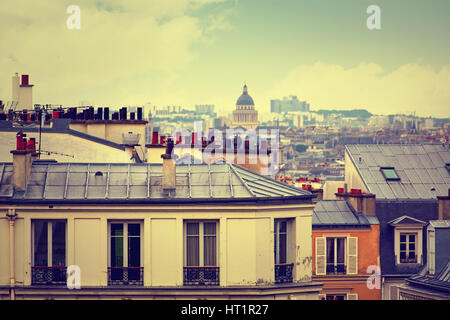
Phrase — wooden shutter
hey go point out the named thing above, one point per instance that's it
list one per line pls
(352, 296)
(352, 255)
(322, 297)
(321, 259)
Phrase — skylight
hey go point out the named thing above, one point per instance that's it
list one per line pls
(389, 173)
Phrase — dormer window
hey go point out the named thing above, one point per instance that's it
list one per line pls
(408, 239)
(389, 173)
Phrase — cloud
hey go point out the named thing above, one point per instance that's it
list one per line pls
(411, 87)
(117, 41)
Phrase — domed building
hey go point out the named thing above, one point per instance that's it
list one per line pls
(245, 114)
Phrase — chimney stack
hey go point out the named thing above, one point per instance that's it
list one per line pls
(23, 157)
(362, 202)
(169, 168)
(444, 207)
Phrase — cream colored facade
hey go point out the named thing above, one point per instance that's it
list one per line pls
(67, 147)
(245, 242)
(112, 130)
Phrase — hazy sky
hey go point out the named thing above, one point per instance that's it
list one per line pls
(181, 52)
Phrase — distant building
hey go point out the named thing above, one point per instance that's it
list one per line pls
(146, 231)
(345, 244)
(245, 115)
(288, 104)
(433, 282)
(204, 109)
(407, 181)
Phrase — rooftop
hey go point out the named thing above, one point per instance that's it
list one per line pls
(329, 213)
(142, 182)
(419, 171)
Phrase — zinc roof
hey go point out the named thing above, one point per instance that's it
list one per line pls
(422, 170)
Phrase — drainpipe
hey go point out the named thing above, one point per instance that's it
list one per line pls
(12, 215)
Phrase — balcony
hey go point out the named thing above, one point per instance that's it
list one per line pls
(125, 276)
(49, 275)
(283, 273)
(199, 276)
(338, 268)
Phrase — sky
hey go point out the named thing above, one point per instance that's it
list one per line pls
(188, 52)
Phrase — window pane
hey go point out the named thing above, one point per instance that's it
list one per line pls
(402, 238)
(412, 247)
(40, 244)
(210, 251)
(411, 255)
(283, 248)
(209, 228)
(192, 228)
(412, 238)
(58, 244)
(402, 246)
(192, 251)
(390, 173)
(117, 229)
(330, 250)
(116, 245)
(134, 229)
(341, 250)
(283, 226)
(134, 251)
(402, 255)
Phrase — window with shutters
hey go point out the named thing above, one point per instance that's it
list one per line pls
(336, 255)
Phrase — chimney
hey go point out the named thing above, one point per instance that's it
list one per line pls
(22, 160)
(444, 207)
(169, 168)
(362, 202)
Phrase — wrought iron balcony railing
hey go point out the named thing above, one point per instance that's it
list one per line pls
(338, 268)
(198, 276)
(283, 273)
(125, 276)
(49, 275)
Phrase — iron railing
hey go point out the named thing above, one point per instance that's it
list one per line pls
(338, 268)
(283, 273)
(125, 276)
(198, 276)
(49, 275)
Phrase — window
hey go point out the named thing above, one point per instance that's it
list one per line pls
(283, 269)
(125, 254)
(49, 252)
(389, 173)
(408, 246)
(336, 255)
(201, 253)
(335, 297)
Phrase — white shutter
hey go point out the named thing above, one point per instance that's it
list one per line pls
(352, 296)
(322, 297)
(352, 255)
(321, 260)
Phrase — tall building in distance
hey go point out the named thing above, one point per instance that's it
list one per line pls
(245, 115)
(204, 109)
(288, 104)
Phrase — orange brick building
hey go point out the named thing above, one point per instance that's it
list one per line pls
(345, 252)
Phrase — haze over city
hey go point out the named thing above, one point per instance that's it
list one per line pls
(203, 51)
